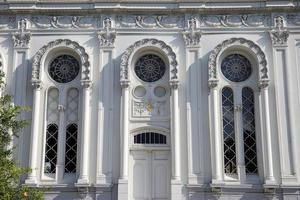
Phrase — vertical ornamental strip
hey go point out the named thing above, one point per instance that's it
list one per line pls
(106, 39)
(284, 80)
(191, 38)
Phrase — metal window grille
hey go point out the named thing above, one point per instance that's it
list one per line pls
(150, 138)
(71, 148)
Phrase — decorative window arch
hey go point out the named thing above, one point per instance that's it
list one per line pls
(149, 43)
(40, 57)
(250, 47)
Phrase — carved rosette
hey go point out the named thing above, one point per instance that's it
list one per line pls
(21, 38)
(108, 35)
(162, 46)
(191, 36)
(279, 35)
(37, 65)
(239, 42)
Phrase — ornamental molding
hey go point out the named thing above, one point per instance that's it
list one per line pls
(236, 43)
(21, 38)
(191, 36)
(108, 35)
(42, 53)
(279, 35)
(158, 44)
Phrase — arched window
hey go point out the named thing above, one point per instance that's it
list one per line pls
(238, 115)
(62, 115)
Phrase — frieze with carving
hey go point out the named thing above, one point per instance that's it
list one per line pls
(149, 21)
(66, 22)
(149, 108)
(21, 38)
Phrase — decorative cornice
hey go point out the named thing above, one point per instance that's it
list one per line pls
(21, 38)
(108, 35)
(279, 35)
(238, 42)
(192, 36)
(37, 65)
(162, 46)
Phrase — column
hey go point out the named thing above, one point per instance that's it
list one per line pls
(36, 110)
(240, 141)
(215, 132)
(83, 179)
(124, 134)
(264, 89)
(60, 164)
(191, 38)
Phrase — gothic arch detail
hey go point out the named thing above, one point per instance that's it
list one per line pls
(169, 53)
(239, 42)
(40, 56)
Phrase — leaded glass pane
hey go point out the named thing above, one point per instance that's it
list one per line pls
(64, 68)
(72, 105)
(52, 105)
(150, 138)
(71, 148)
(236, 68)
(228, 131)
(150, 68)
(249, 131)
(51, 148)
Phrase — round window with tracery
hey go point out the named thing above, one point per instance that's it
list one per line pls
(236, 68)
(64, 69)
(150, 68)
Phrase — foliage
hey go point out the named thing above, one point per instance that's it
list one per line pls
(10, 172)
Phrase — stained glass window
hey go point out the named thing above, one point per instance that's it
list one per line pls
(150, 68)
(228, 131)
(64, 69)
(236, 68)
(249, 130)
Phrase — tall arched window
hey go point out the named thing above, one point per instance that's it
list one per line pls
(62, 116)
(238, 113)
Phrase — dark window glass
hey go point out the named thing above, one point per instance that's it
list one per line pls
(71, 148)
(51, 148)
(150, 138)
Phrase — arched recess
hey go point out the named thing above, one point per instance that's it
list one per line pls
(160, 46)
(238, 43)
(41, 55)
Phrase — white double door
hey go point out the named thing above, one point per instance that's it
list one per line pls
(150, 175)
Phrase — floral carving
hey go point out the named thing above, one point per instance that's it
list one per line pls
(21, 38)
(279, 35)
(108, 35)
(37, 65)
(191, 36)
(148, 43)
(256, 50)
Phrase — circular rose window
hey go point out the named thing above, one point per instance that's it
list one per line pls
(64, 69)
(236, 68)
(150, 68)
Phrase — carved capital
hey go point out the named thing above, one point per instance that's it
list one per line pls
(86, 83)
(61, 108)
(263, 84)
(36, 84)
(213, 83)
(108, 35)
(191, 36)
(174, 84)
(279, 35)
(21, 38)
(124, 84)
(238, 108)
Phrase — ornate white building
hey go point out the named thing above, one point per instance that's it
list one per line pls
(132, 100)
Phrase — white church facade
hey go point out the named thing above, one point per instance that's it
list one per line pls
(156, 100)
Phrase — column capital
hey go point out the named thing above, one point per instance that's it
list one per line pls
(21, 38)
(37, 84)
(279, 35)
(238, 108)
(124, 84)
(61, 108)
(107, 36)
(263, 84)
(213, 83)
(174, 84)
(191, 35)
(86, 83)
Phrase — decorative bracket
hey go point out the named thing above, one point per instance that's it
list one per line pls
(191, 35)
(108, 35)
(21, 38)
(279, 35)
